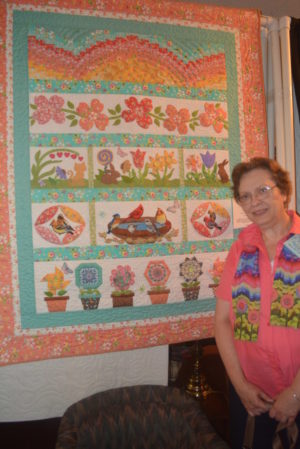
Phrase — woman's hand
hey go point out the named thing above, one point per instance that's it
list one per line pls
(254, 399)
(285, 407)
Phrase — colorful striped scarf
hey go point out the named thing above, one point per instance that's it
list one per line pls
(246, 293)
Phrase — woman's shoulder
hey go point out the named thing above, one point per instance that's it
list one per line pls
(249, 235)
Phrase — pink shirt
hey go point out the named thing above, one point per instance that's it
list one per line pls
(273, 360)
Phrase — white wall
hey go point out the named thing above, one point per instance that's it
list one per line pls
(45, 389)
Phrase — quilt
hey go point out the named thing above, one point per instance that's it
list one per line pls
(120, 125)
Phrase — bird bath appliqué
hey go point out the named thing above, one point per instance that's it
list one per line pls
(137, 228)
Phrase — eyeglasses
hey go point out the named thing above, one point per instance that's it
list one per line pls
(261, 193)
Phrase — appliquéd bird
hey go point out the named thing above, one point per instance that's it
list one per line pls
(150, 226)
(61, 226)
(113, 223)
(137, 213)
(210, 220)
(131, 228)
(160, 217)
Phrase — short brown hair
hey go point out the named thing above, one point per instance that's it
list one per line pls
(280, 176)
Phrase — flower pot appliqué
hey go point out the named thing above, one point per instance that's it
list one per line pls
(57, 304)
(90, 303)
(123, 300)
(159, 297)
(191, 293)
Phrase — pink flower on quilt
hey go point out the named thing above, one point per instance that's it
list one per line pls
(138, 158)
(138, 111)
(215, 116)
(48, 109)
(177, 119)
(91, 115)
(287, 301)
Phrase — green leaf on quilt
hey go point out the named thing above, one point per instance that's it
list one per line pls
(33, 170)
(215, 169)
(47, 173)
(61, 292)
(52, 182)
(127, 179)
(44, 164)
(167, 177)
(37, 156)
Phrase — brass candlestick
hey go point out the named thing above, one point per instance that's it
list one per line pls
(197, 385)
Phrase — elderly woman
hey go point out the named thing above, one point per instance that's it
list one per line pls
(257, 321)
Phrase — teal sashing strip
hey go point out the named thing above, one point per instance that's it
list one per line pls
(121, 194)
(130, 251)
(107, 87)
(67, 26)
(127, 140)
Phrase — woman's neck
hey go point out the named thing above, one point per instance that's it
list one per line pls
(272, 235)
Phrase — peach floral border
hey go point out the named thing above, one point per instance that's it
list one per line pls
(16, 349)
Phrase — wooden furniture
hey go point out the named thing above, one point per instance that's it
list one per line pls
(197, 368)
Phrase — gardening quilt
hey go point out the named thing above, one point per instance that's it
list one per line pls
(120, 125)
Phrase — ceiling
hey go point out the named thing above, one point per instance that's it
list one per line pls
(273, 8)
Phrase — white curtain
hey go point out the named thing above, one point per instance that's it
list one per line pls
(275, 35)
(297, 150)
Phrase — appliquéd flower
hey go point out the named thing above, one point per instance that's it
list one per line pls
(214, 116)
(138, 157)
(177, 119)
(47, 109)
(138, 111)
(92, 115)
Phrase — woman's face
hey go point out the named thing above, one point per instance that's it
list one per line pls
(260, 198)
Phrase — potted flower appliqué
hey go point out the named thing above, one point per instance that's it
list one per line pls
(56, 296)
(121, 279)
(88, 278)
(190, 269)
(216, 273)
(157, 274)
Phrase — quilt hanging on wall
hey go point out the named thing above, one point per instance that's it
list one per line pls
(120, 125)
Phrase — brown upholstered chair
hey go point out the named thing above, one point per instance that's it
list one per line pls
(139, 417)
